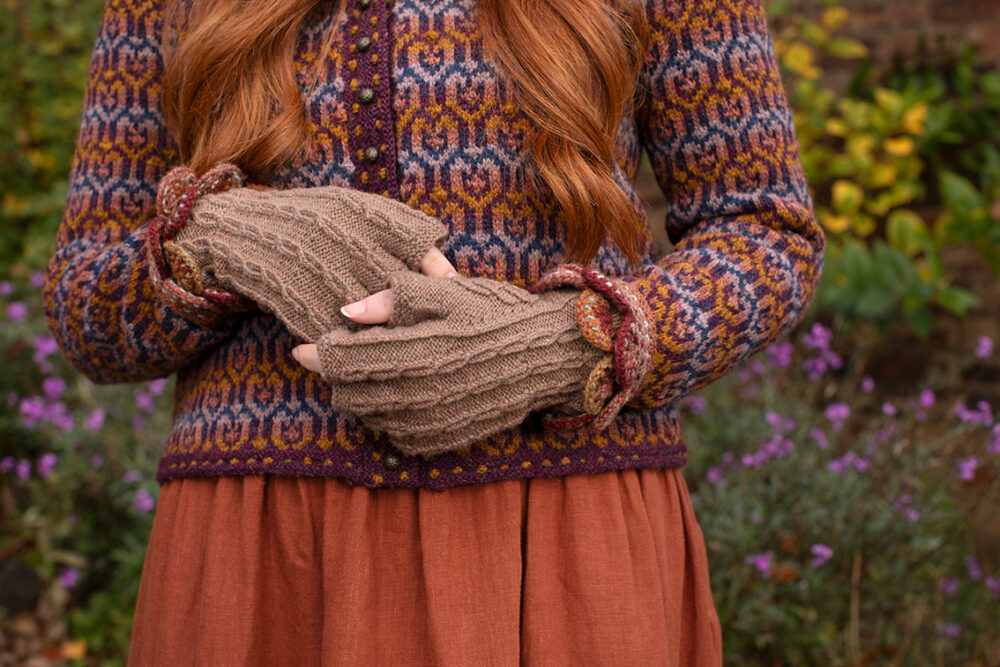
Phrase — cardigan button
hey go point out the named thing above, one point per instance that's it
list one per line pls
(365, 4)
(366, 95)
(371, 154)
(364, 43)
(391, 461)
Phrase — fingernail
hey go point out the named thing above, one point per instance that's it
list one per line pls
(354, 309)
(295, 353)
(450, 274)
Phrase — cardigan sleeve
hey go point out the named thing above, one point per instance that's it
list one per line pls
(748, 251)
(107, 305)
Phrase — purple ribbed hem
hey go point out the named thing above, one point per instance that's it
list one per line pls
(373, 463)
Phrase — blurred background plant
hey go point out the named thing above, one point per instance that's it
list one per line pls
(845, 501)
(921, 140)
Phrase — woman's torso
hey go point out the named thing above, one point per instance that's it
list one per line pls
(405, 105)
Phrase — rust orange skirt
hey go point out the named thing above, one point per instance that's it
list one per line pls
(605, 569)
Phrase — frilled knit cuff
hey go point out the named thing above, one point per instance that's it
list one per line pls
(173, 273)
(613, 317)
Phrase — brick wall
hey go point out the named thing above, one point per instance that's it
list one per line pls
(890, 26)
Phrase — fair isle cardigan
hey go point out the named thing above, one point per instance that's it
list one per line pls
(407, 106)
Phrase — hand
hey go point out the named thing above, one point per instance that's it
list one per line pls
(299, 254)
(377, 308)
(459, 359)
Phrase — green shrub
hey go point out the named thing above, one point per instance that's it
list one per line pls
(837, 527)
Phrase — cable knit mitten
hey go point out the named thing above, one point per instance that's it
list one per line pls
(464, 358)
(299, 254)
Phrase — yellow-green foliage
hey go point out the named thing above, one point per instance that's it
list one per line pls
(863, 156)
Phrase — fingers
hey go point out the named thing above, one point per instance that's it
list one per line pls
(411, 298)
(435, 264)
(374, 309)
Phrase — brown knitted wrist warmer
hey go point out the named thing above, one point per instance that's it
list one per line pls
(176, 194)
(302, 253)
(630, 345)
(460, 359)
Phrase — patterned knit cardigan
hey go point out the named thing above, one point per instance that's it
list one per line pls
(442, 134)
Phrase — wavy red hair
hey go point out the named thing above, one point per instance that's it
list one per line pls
(574, 79)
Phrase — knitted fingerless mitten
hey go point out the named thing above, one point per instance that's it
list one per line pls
(302, 253)
(464, 358)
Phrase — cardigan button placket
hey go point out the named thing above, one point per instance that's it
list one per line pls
(370, 125)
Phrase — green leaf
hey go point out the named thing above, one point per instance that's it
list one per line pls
(847, 197)
(907, 231)
(844, 47)
(958, 193)
(956, 299)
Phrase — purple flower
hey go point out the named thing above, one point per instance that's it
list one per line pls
(975, 570)
(779, 355)
(818, 337)
(837, 465)
(814, 368)
(144, 401)
(994, 447)
(156, 387)
(696, 404)
(53, 386)
(819, 436)
(867, 384)
(715, 476)
(32, 410)
(95, 420)
(762, 562)
(950, 630)
(44, 346)
(982, 414)
(821, 554)
(142, 501)
(7, 464)
(36, 279)
(888, 408)
(926, 398)
(984, 347)
(16, 312)
(993, 586)
(68, 577)
(911, 514)
(837, 413)
(23, 469)
(132, 476)
(967, 468)
(756, 518)
(46, 463)
(778, 423)
(862, 464)
(57, 415)
(949, 586)
(96, 461)
(6, 288)
(138, 422)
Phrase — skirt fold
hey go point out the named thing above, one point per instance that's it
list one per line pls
(604, 569)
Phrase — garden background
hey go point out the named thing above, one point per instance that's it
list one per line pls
(849, 498)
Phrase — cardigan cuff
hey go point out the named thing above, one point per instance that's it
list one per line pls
(615, 318)
(174, 275)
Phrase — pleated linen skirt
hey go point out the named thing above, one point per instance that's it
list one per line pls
(604, 569)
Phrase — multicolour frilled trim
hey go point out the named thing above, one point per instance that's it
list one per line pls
(632, 342)
(172, 272)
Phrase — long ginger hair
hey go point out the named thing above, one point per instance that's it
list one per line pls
(230, 94)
